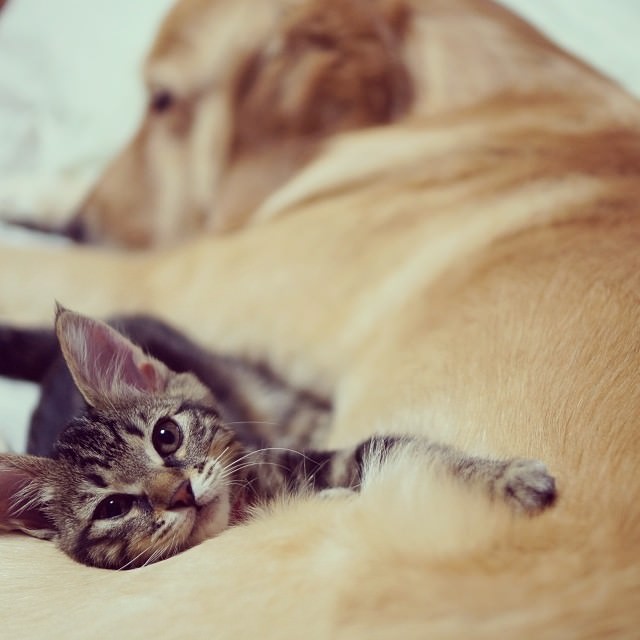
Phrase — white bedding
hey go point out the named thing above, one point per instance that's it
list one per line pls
(70, 96)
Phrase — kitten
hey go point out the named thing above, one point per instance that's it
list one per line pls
(152, 469)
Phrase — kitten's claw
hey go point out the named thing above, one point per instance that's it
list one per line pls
(527, 485)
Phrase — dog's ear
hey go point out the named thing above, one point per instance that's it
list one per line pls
(332, 65)
(396, 15)
(25, 490)
(105, 365)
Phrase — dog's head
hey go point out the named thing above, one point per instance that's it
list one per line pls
(241, 94)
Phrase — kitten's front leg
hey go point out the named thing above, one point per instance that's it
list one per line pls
(524, 484)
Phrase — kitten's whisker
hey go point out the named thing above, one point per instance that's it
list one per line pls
(236, 483)
(152, 557)
(239, 483)
(264, 449)
(161, 552)
(157, 551)
(173, 546)
(235, 466)
(219, 456)
(250, 453)
(124, 566)
(228, 424)
(164, 552)
(234, 469)
(299, 453)
(254, 464)
(159, 535)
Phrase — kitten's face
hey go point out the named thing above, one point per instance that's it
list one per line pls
(142, 482)
(150, 472)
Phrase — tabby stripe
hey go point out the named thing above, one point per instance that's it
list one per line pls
(97, 480)
(378, 447)
(114, 429)
(86, 461)
(67, 451)
(133, 430)
(192, 407)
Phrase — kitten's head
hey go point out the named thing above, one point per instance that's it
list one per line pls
(146, 474)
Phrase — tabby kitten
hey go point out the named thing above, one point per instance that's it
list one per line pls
(152, 469)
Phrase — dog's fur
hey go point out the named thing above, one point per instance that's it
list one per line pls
(466, 269)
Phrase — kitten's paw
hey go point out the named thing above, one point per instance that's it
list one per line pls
(527, 485)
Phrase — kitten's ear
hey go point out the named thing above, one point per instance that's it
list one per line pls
(106, 366)
(24, 493)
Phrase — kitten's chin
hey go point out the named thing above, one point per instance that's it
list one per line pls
(211, 519)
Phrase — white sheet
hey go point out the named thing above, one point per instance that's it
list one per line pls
(70, 96)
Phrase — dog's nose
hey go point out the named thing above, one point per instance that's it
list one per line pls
(183, 496)
(76, 229)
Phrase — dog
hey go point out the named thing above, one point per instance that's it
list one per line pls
(460, 263)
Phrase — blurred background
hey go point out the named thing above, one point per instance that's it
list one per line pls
(70, 96)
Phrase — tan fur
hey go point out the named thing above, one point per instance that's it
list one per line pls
(469, 271)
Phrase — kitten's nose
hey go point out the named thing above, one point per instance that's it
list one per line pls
(183, 496)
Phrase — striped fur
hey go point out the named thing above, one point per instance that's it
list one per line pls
(112, 496)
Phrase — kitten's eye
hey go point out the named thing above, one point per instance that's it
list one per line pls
(161, 101)
(167, 437)
(114, 506)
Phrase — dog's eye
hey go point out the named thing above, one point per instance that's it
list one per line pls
(113, 506)
(322, 40)
(161, 101)
(166, 437)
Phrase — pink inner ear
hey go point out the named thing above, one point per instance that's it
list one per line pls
(105, 365)
(154, 382)
(11, 482)
(115, 362)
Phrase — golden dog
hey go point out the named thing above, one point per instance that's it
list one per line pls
(462, 262)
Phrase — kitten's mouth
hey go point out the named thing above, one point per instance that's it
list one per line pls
(211, 518)
(201, 507)
(210, 505)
